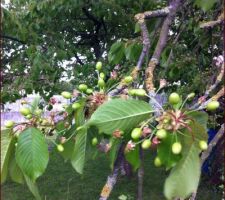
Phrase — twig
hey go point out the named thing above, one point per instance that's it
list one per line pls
(211, 24)
(214, 98)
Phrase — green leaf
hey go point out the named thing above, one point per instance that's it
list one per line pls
(184, 177)
(32, 153)
(35, 103)
(115, 143)
(33, 187)
(133, 158)
(137, 28)
(198, 132)
(205, 5)
(200, 117)
(7, 149)
(79, 152)
(164, 152)
(116, 53)
(78, 156)
(120, 114)
(133, 51)
(15, 172)
(69, 145)
(68, 149)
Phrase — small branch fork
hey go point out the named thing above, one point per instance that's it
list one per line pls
(172, 9)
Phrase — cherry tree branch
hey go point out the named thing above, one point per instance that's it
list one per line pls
(140, 18)
(112, 178)
(211, 24)
(219, 94)
(175, 4)
(218, 80)
(157, 13)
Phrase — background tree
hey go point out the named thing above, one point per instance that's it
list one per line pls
(38, 37)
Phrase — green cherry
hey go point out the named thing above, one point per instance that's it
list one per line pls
(75, 106)
(94, 141)
(9, 124)
(28, 116)
(191, 95)
(128, 79)
(174, 98)
(132, 92)
(101, 83)
(203, 145)
(60, 148)
(157, 162)
(82, 87)
(66, 95)
(98, 66)
(102, 75)
(146, 144)
(140, 92)
(161, 133)
(89, 91)
(213, 105)
(136, 133)
(25, 111)
(176, 148)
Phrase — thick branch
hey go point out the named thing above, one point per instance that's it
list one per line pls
(175, 4)
(157, 13)
(146, 44)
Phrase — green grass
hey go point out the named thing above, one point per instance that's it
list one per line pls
(61, 182)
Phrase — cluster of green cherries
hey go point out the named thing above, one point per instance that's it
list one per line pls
(27, 113)
(161, 134)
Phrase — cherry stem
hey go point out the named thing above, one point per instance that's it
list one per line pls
(149, 136)
(183, 103)
(188, 112)
(113, 87)
(142, 126)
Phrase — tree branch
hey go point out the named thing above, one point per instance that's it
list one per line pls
(218, 80)
(112, 178)
(175, 4)
(211, 24)
(157, 13)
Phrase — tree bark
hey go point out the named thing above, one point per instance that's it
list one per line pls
(175, 4)
(112, 178)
